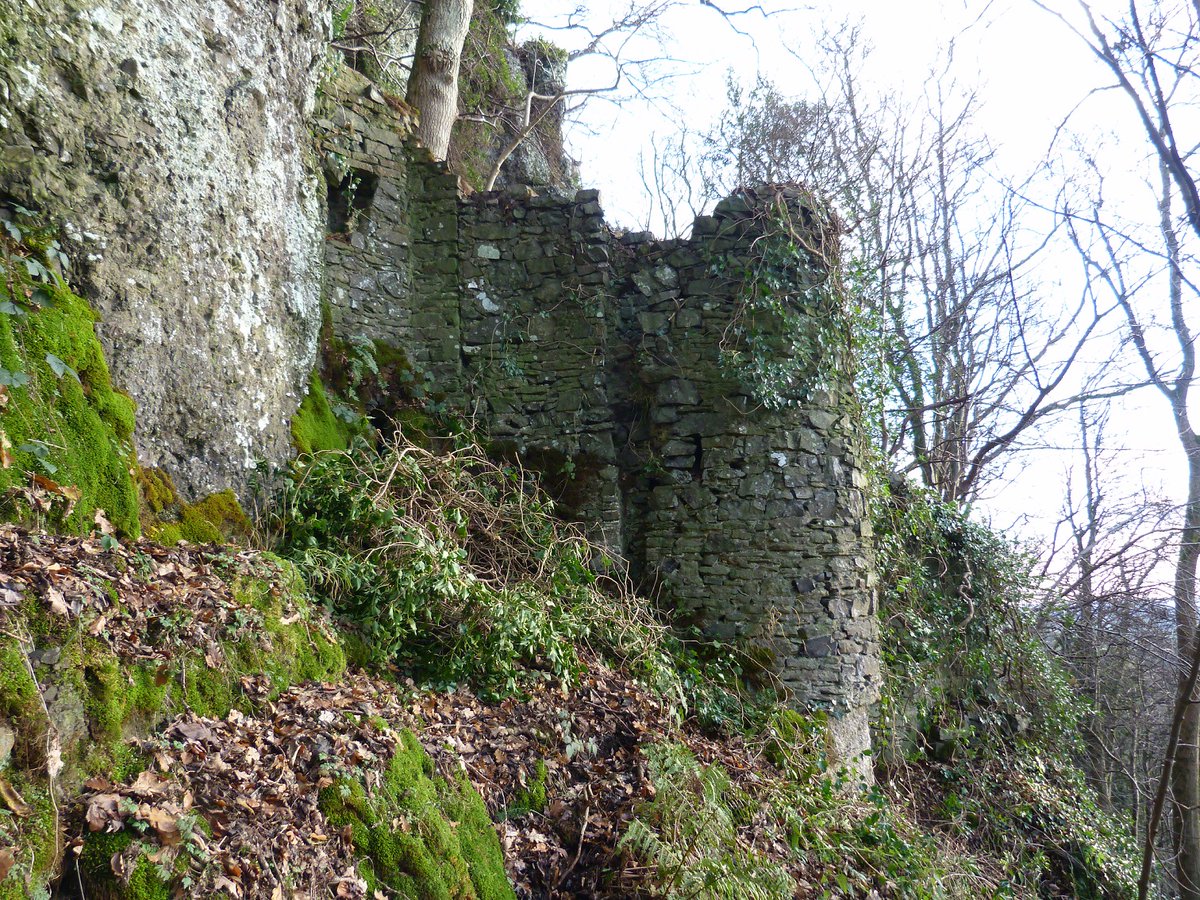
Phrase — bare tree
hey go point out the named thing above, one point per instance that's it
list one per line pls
(935, 253)
(1152, 54)
(1105, 614)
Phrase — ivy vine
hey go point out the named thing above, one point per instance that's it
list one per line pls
(790, 336)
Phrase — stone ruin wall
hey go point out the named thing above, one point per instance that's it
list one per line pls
(597, 358)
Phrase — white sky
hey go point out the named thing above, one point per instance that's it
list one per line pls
(1029, 73)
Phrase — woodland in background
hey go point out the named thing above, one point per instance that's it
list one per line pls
(968, 361)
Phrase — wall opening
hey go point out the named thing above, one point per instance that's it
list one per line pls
(350, 200)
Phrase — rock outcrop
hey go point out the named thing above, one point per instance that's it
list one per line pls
(169, 141)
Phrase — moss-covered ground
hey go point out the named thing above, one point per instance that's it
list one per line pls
(260, 623)
(421, 836)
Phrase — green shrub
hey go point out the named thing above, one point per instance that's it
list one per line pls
(689, 834)
(455, 568)
(974, 698)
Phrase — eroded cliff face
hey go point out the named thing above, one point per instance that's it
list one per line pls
(169, 141)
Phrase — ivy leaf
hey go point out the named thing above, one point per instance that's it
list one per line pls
(13, 230)
(36, 269)
(59, 367)
(8, 308)
(13, 378)
(40, 298)
(41, 453)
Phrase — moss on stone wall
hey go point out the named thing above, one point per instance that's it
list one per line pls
(60, 415)
(316, 427)
(421, 835)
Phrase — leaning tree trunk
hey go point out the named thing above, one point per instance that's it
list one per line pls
(1185, 776)
(433, 85)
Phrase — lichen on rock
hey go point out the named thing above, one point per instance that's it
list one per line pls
(168, 141)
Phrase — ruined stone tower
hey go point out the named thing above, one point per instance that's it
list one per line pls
(680, 401)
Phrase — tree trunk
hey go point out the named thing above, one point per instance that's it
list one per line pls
(433, 85)
(1185, 777)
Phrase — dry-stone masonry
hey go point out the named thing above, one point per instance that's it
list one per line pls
(603, 360)
(171, 142)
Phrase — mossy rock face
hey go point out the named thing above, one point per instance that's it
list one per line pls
(217, 518)
(61, 418)
(315, 426)
(421, 835)
(194, 275)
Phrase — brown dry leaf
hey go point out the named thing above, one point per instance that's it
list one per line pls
(165, 825)
(58, 603)
(98, 783)
(8, 859)
(13, 800)
(69, 491)
(101, 520)
(193, 731)
(6, 457)
(102, 812)
(148, 784)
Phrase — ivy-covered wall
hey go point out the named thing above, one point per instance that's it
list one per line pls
(688, 400)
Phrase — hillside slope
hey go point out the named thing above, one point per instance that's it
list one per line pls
(204, 734)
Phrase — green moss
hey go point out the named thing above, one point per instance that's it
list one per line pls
(532, 797)
(74, 428)
(156, 489)
(18, 692)
(480, 847)
(299, 650)
(117, 692)
(315, 427)
(34, 839)
(421, 836)
(216, 519)
(95, 869)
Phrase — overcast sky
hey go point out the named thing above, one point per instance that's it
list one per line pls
(1030, 74)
